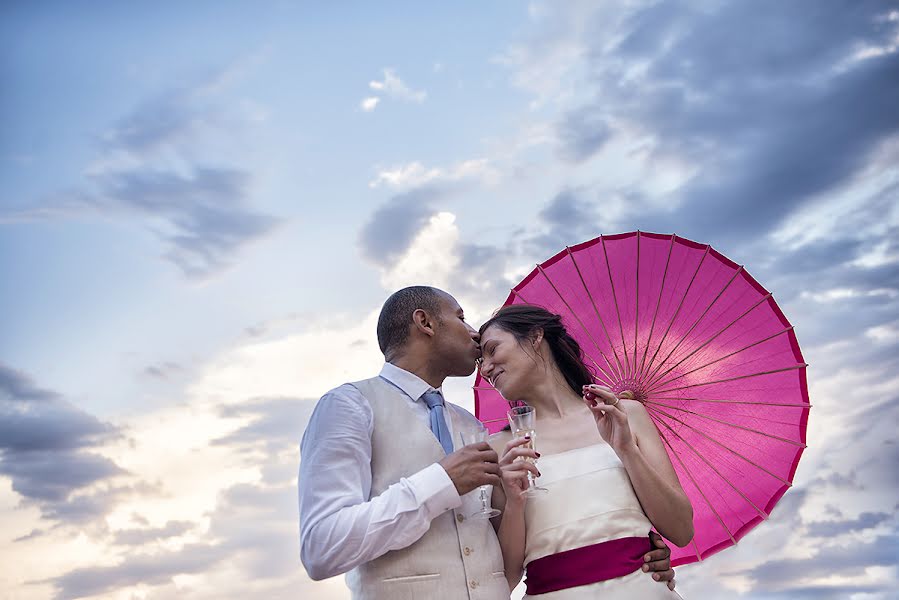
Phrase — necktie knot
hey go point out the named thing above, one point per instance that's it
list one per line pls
(432, 398)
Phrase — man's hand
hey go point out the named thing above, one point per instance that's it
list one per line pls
(472, 466)
(659, 561)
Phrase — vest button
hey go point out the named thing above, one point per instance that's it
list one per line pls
(467, 551)
(460, 518)
(472, 584)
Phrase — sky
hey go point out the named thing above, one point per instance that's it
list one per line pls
(204, 206)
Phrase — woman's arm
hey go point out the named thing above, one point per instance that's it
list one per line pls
(626, 426)
(512, 530)
(653, 477)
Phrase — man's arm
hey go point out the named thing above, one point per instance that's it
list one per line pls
(340, 527)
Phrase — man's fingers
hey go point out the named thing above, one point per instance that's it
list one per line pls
(660, 566)
(660, 554)
(488, 456)
(664, 575)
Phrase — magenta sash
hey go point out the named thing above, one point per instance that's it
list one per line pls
(589, 564)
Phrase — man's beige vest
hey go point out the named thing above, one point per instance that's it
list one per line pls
(457, 558)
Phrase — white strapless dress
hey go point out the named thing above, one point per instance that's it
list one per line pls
(589, 500)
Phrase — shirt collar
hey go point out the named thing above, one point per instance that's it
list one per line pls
(412, 385)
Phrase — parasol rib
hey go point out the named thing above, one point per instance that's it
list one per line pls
(679, 306)
(729, 401)
(598, 316)
(695, 484)
(605, 252)
(637, 304)
(608, 377)
(734, 353)
(748, 376)
(658, 303)
(728, 448)
(578, 319)
(761, 513)
(735, 426)
(652, 376)
(711, 339)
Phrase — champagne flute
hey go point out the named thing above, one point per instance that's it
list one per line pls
(474, 435)
(521, 419)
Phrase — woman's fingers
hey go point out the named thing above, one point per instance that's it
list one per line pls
(521, 467)
(516, 442)
(601, 393)
(600, 410)
(516, 448)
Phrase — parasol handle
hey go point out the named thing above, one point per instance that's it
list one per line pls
(626, 395)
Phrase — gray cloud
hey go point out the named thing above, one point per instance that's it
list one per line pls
(148, 569)
(45, 442)
(201, 210)
(164, 370)
(866, 520)
(393, 226)
(203, 214)
(762, 98)
(844, 560)
(140, 537)
(271, 420)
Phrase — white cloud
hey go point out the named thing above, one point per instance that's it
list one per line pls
(391, 85)
(415, 174)
(369, 104)
(431, 257)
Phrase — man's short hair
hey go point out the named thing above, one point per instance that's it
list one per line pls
(396, 314)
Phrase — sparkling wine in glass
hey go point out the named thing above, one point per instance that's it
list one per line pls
(522, 418)
(474, 435)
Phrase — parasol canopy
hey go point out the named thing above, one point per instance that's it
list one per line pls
(705, 348)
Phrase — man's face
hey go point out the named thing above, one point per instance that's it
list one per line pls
(456, 341)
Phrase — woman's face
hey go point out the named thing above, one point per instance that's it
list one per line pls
(507, 364)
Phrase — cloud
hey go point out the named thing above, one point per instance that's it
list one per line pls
(46, 443)
(393, 226)
(144, 536)
(164, 370)
(772, 121)
(164, 166)
(394, 87)
(369, 104)
(137, 569)
(414, 174)
(866, 520)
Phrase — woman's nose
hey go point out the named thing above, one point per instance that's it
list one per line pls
(486, 367)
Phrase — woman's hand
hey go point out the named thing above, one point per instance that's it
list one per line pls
(515, 472)
(611, 420)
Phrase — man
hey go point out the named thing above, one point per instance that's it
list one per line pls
(383, 491)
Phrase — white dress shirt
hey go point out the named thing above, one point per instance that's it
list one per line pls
(340, 527)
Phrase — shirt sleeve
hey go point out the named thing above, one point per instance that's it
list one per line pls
(340, 527)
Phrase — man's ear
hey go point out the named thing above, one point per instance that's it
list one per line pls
(423, 322)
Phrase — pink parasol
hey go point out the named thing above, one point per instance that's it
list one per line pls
(705, 348)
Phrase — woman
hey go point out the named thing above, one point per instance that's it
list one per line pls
(607, 475)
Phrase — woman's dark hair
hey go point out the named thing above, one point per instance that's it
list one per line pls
(523, 321)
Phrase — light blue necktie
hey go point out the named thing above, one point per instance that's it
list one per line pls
(438, 419)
